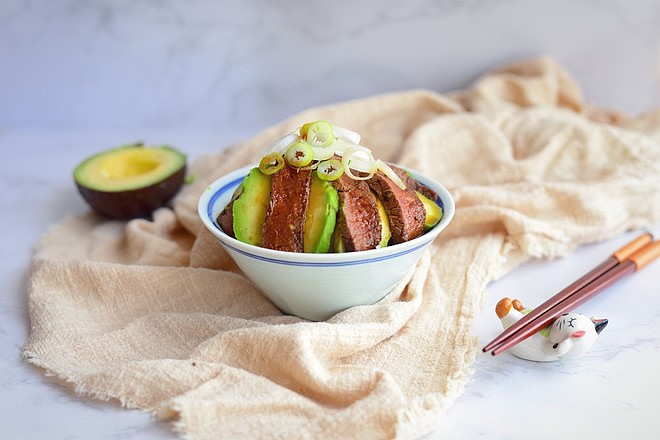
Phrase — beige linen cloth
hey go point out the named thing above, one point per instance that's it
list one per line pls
(154, 313)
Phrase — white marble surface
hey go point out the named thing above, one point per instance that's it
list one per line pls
(77, 76)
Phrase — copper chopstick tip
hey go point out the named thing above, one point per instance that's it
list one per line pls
(646, 254)
(630, 248)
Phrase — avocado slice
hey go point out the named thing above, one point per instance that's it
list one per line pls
(386, 232)
(433, 211)
(130, 181)
(321, 216)
(249, 209)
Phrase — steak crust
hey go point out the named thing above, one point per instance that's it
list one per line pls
(285, 218)
(358, 221)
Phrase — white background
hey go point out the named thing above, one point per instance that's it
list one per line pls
(80, 76)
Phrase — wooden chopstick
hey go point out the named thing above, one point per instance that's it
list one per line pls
(536, 319)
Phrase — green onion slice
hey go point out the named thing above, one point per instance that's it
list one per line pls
(318, 134)
(299, 154)
(271, 163)
(330, 169)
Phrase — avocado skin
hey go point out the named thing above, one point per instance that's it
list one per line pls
(141, 202)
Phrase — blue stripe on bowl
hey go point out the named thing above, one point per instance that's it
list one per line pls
(326, 264)
(217, 195)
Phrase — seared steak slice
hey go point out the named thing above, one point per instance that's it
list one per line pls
(412, 183)
(283, 228)
(404, 209)
(358, 221)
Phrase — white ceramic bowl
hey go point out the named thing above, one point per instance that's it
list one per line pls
(317, 286)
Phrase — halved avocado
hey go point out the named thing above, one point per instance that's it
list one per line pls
(130, 181)
(321, 216)
(433, 211)
(249, 209)
(386, 232)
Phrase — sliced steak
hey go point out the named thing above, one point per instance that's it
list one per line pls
(412, 183)
(404, 209)
(358, 221)
(283, 228)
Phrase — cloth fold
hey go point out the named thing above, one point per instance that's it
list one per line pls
(155, 314)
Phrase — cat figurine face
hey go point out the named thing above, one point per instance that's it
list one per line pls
(572, 334)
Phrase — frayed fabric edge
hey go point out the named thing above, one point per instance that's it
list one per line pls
(81, 388)
(424, 412)
(168, 411)
(171, 411)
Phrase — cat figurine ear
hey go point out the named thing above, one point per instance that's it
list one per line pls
(570, 335)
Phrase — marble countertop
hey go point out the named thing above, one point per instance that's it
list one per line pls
(77, 77)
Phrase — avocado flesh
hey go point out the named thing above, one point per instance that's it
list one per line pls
(129, 167)
(130, 181)
(321, 216)
(338, 245)
(249, 209)
(386, 233)
(433, 211)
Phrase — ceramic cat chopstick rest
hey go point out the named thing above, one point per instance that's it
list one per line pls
(570, 335)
